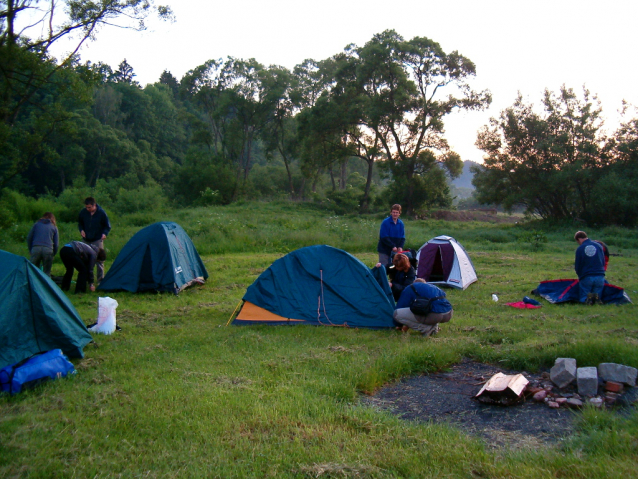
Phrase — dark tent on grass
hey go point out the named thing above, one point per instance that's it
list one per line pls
(565, 290)
(319, 285)
(443, 261)
(160, 257)
(35, 315)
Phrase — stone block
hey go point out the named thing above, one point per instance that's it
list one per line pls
(619, 373)
(563, 372)
(587, 380)
(632, 373)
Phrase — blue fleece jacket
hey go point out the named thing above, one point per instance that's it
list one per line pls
(391, 235)
(425, 291)
(43, 233)
(590, 259)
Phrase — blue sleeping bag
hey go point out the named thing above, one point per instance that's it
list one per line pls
(34, 370)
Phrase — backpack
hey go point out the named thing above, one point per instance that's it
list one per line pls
(34, 370)
(421, 306)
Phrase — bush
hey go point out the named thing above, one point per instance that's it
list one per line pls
(150, 197)
(15, 207)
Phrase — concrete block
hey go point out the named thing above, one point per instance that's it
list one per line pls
(632, 373)
(612, 372)
(563, 372)
(587, 380)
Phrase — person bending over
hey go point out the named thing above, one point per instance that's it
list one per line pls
(391, 236)
(404, 275)
(590, 268)
(43, 242)
(81, 257)
(441, 311)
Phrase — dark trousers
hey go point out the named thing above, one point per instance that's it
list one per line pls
(72, 261)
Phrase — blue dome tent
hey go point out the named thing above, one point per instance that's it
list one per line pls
(160, 257)
(319, 285)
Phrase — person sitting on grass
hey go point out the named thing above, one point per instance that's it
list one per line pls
(441, 311)
(404, 275)
(80, 256)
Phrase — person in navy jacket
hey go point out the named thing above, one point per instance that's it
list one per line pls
(391, 236)
(590, 268)
(94, 227)
(427, 325)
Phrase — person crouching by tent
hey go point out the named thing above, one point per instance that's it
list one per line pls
(391, 236)
(441, 309)
(590, 268)
(404, 275)
(42, 241)
(80, 256)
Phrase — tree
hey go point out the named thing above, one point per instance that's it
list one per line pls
(27, 68)
(391, 93)
(546, 162)
(124, 74)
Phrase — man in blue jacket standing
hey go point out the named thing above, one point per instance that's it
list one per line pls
(391, 236)
(94, 227)
(590, 268)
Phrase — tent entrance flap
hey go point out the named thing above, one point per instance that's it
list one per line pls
(437, 267)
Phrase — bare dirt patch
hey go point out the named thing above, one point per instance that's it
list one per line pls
(446, 397)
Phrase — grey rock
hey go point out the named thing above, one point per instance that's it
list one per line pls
(618, 373)
(563, 372)
(632, 373)
(574, 403)
(587, 380)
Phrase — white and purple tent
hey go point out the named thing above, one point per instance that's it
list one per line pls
(443, 260)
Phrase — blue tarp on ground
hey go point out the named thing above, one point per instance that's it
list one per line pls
(565, 290)
(160, 257)
(35, 315)
(322, 285)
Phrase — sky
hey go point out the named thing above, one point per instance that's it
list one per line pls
(516, 46)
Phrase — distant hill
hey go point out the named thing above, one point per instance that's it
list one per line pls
(465, 180)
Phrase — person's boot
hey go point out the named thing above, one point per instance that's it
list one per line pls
(591, 299)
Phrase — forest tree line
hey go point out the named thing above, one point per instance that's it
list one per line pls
(364, 127)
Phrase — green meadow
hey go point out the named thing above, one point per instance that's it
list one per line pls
(179, 393)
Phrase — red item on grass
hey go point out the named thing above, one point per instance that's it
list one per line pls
(522, 305)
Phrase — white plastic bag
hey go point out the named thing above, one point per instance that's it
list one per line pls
(105, 316)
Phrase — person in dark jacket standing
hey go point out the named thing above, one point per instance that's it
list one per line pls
(590, 268)
(81, 257)
(42, 241)
(391, 236)
(427, 325)
(94, 227)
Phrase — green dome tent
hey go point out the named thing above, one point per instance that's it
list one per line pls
(160, 257)
(319, 285)
(36, 316)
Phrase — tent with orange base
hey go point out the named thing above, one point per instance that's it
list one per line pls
(319, 285)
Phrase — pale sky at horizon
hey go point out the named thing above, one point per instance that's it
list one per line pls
(516, 47)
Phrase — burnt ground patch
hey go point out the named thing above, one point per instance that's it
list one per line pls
(446, 397)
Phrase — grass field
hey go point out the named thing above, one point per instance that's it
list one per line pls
(177, 393)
